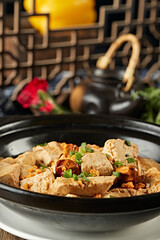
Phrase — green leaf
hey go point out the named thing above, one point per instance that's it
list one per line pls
(130, 160)
(157, 119)
(151, 97)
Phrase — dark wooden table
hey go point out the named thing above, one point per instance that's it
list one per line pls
(7, 236)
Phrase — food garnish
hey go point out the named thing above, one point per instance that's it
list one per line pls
(130, 160)
(78, 157)
(117, 174)
(128, 143)
(118, 164)
(41, 144)
(45, 170)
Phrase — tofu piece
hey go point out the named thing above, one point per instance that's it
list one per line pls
(145, 164)
(117, 192)
(95, 185)
(123, 192)
(98, 161)
(152, 177)
(118, 150)
(41, 183)
(10, 174)
(27, 158)
(7, 161)
(25, 170)
(50, 152)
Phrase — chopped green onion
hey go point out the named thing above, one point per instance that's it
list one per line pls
(44, 168)
(117, 174)
(78, 161)
(81, 175)
(91, 174)
(75, 177)
(118, 164)
(89, 150)
(78, 157)
(83, 147)
(42, 165)
(86, 179)
(130, 160)
(41, 144)
(128, 143)
(68, 173)
(83, 144)
(127, 155)
(107, 155)
(72, 153)
(86, 174)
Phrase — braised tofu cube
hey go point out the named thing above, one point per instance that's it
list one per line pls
(121, 150)
(94, 148)
(97, 161)
(152, 178)
(9, 174)
(27, 158)
(94, 185)
(123, 192)
(145, 164)
(26, 171)
(48, 153)
(42, 182)
(7, 161)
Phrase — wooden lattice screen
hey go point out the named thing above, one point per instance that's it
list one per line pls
(24, 53)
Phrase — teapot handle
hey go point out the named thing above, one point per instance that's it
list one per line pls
(105, 60)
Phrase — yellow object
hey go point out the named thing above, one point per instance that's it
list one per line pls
(62, 13)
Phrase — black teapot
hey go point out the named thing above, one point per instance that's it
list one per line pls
(102, 92)
(110, 91)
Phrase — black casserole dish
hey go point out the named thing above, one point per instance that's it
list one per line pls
(80, 214)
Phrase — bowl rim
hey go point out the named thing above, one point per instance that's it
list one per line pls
(27, 199)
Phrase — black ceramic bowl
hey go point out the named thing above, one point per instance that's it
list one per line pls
(80, 214)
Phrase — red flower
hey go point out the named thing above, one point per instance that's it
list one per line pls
(29, 96)
(47, 108)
